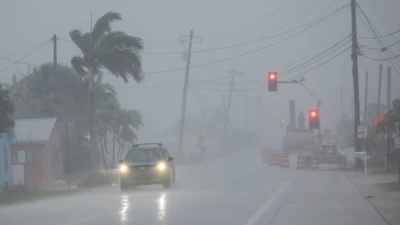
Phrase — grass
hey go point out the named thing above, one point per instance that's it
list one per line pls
(30, 196)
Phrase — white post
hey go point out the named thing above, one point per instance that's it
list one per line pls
(365, 162)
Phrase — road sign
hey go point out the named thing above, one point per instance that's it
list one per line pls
(396, 143)
(398, 129)
(362, 132)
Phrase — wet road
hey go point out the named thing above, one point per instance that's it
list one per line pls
(235, 190)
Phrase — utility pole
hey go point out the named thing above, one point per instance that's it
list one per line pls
(246, 112)
(366, 98)
(55, 54)
(378, 106)
(55, 64)
(388, 91)
(233, 72)
(185, 87)
(354, 56)
(67, 151)
(389, 87)
(341, 101)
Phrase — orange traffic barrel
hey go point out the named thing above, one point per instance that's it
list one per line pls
(314, 162)
(285, 160)
(277, 159)
(300, 161)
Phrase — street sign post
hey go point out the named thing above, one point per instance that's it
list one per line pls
(397, 129)
(362, 132)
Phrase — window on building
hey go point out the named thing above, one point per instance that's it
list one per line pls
(29, 157)
(5, 166)
(14, 158)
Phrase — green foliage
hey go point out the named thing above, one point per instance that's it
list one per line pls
(113, 50)
(65, 96)
(6, 110)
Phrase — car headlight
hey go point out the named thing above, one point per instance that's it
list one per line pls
(123, 168)
(161, 166)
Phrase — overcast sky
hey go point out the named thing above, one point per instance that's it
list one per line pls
(220, 23)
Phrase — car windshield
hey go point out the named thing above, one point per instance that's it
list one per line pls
(145, 155)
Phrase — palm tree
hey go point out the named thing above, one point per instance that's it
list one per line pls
(6, 109)
(102, 48)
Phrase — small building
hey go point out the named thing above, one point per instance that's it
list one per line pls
(37, 153)
(5, 158)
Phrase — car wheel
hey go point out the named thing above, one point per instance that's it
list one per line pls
(173, 174)
(124, 186)
(167, 183)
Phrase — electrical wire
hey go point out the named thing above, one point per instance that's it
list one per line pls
(380, 41)
(252, 82)
(381, 49)
(382, 36)
(255, 50)
(319, 19)
(301, 15)
(371, 29)
(318, 56)
(17, 61)
(386, 59)
(302, 65)
(21, 62)
(266, 17)
(22, 50)
(330, 59)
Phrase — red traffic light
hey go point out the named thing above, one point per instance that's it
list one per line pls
(313, 113)
(271, 76)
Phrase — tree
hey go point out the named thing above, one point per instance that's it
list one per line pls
(6, 109)
(102, 48)
(391, 118)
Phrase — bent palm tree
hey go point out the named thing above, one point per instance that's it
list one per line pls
(112, 50)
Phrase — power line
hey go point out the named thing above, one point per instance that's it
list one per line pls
(373, 32)
(301, 15)
(284, 73)
(302, 65)
(17, 61)
(330, 59)
(379, 37)
(22, 50)
(319, 19)
(382, 49)
(253, 51)
(380, 41)
(386, 59)
(267, 16)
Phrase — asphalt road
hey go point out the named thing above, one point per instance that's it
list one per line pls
(235, 190)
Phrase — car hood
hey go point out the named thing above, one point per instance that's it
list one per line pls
(142, 164)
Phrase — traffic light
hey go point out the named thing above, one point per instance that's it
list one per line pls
(313, 118)
(272, 81)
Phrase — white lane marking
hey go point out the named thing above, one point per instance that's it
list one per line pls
(257, 216)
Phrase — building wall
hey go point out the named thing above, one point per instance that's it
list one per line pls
(32, 156)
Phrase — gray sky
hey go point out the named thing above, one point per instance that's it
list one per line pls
(221, 23)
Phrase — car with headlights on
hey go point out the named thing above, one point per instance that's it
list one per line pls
(147, 164)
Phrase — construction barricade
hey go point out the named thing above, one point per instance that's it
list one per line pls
(300, 162)
(285, 160)
(314, 162)
(276, 161)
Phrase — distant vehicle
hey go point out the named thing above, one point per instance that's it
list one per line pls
(147, 164)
